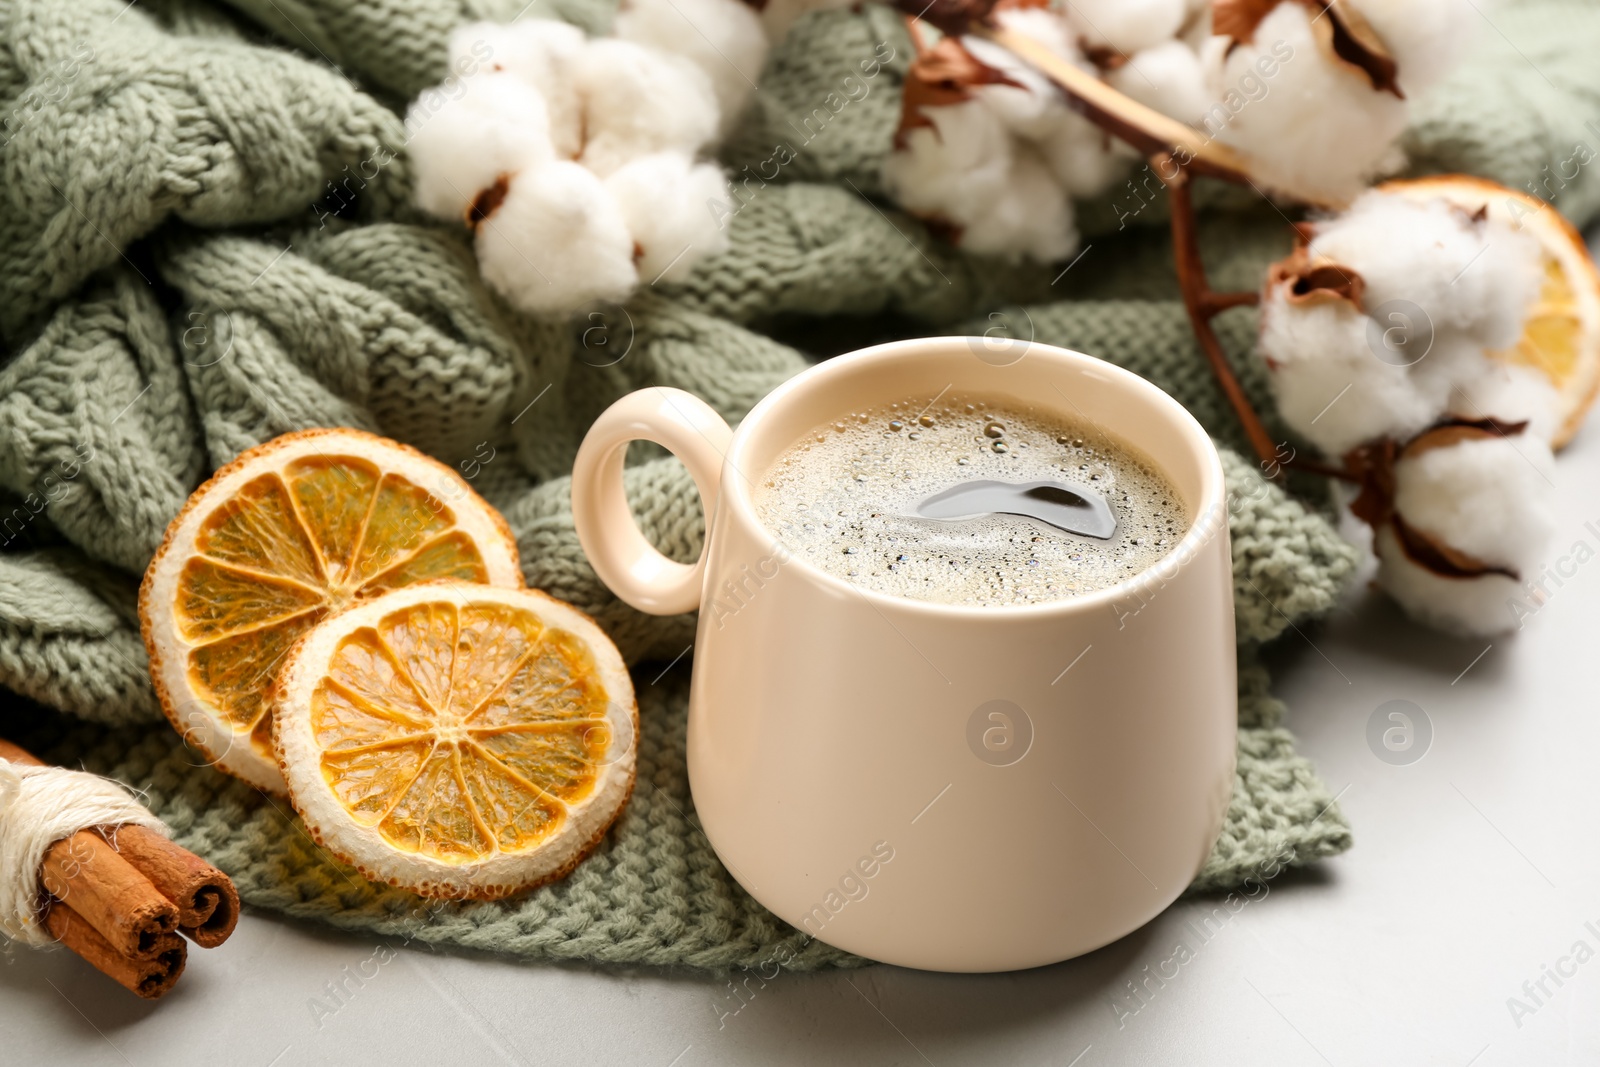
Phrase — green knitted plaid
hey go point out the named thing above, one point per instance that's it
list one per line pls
(206, 241)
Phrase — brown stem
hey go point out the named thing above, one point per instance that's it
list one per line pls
(1177, 151)
(1216, 303)
(1201, 304)
(1327, 470)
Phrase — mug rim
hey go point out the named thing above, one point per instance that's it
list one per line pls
(1212, 497)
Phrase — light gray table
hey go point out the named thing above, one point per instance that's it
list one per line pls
(1475, 870)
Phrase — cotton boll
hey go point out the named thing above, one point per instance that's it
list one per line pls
(638, 101)
(1029, 108)
(1314, 126)
(953, 169)
(1168, 78)
(1475, 277)
(1329, 386)
(724, 38)
(1468, 607)
(1196, 28)
(1489, 499)
(1084, 158)
(557, 241)
(466, 134)
(1031, 219)
(1126, 26)
(778, 15)
(1510, 393)
(663, 199)
(1043, 26)
(540, 52)
(1426, 37)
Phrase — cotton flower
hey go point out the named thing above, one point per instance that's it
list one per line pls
(556, 241)
(470, 132)
(1471, 275)
(1167, 77)
(953, 167)
(1509, 393)
(1032, 219)
(540, 52)
(1084, 158)
(1027, 103)
(1126, 26)
(1386, 320)
(1473, 515)
(724, 38)
(1425, 37)
(638, 101)
(1314, 125)
(663, 200)
(1329, 384)
(1316, 94)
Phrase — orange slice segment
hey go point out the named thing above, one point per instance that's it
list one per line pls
(1562, 336)
(457, 740)
(286, 535)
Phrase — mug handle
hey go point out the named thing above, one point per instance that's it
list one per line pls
(630, 566)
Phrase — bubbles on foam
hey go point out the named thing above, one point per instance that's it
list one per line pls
(844, 498)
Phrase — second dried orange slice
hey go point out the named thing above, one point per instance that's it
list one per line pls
(458, 740)
(289, 533)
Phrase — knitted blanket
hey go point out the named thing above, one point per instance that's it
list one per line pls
(206, 240)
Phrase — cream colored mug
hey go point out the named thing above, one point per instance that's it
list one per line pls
(938, 786)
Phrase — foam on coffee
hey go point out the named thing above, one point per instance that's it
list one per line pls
(846, 496)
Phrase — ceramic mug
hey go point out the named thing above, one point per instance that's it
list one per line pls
(939, 786)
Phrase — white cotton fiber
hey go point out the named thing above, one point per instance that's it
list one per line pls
(724, 38)
(1510, 393)
(1126, 26)
(638, 101)
(1426, 37)
(557, 242)
(1031, 219)
(1469, 607)
(467, 133)
(955, 168)
(1329, 385)
(538, 51)
(1084, 158)
(1474, 277)
(1315, 126)
(1032, 107)
(1167, 77)
(663, 199)
(1491, 498)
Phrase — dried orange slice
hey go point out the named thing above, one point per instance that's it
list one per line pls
(1562, 335)
(288, 533)
(457, 740)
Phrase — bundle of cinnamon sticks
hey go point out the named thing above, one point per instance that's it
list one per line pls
(124, 898)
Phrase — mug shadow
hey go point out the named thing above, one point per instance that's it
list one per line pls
(884, 1013)
(1373, 625)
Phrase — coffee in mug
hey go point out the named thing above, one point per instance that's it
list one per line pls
(970, 500)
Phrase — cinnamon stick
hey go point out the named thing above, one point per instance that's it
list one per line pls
(106, 881)
(150, 977)
(109, 893)
(208, 904)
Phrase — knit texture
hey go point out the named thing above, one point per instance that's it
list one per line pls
(206, 241)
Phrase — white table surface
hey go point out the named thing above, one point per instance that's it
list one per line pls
(1474, 869)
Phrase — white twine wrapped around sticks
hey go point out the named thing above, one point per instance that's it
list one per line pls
(38, 807)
